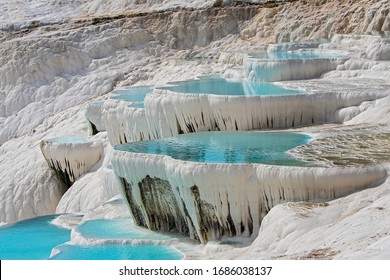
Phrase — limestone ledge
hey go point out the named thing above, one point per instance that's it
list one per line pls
(71, 160)
(211, 201)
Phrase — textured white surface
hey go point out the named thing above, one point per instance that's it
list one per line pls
(73, 159)
(354, 227)
(89, 192)
(125, 124)
(243, 193)
(49, 72)
(169, 112)
(94, 188)
(93, 113)
(22, 14)
(261, 70)
(28, 187)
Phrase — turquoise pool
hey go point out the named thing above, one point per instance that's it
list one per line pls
(31, 239)
(204, 85)
(220, 86)
(116, 252)
(35, 239)
(225, 147)
(118, 229)
(132, 94)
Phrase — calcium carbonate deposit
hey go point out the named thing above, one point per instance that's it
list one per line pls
(70, 115)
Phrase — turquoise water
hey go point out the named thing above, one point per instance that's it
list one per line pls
(204, 85)
(116, 252)
(114, 230)
(220, 86)
(117, 229)
(225, 147)
(77, 140)
(292, 55)
(132, 94)
(34, 239)
(31, 239)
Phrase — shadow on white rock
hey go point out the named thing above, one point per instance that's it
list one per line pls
(71, 157)
(209, 201)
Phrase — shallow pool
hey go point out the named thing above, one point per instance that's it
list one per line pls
(132, 94)
(117, 229)
(225, 147)
(31, 239)
(116, 252)
(35, 239)
(220, 86)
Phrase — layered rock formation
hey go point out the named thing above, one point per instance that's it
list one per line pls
(71, 159)
(51, 67)
(211, 201)
(172, 113)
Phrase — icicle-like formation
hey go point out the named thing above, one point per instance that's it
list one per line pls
(208, 201)
(169, 113)
(93, 114)
(272, 70)
(125, 124)
(71, 160)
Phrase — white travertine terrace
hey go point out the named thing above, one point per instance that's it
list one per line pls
(53, 60)
(273, 70)
(125, 124)
(169, 113)
(209, 201)
(71, 160)
(90, 191)
(93, 114)
(292, 46)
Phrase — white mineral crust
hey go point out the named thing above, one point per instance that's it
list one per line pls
(58, 56)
